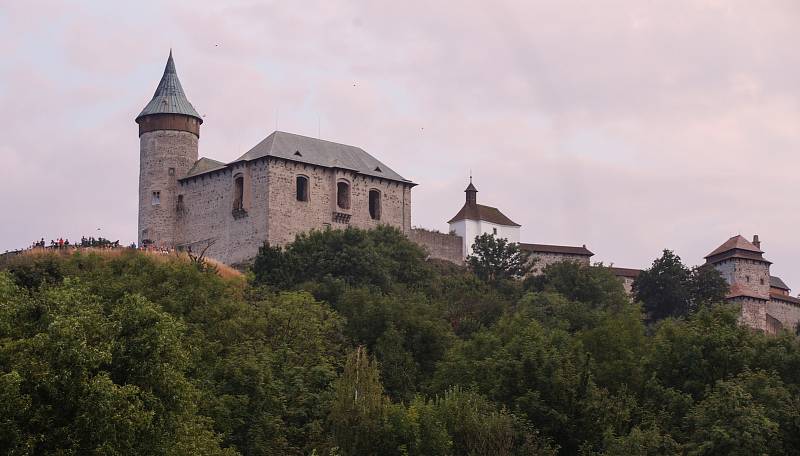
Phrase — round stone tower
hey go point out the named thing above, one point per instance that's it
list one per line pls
(169, 128)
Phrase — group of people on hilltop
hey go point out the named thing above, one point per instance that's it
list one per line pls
(63, 243)
(91, 242)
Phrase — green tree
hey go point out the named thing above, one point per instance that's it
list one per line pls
(694, 354)
(664, 288)
(495, 259)
(360, 412)
(594, 285)
(731, 422)
(96, 377)
(707, 286)
(670, 289)
(378, 258)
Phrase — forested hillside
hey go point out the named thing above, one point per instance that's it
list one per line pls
(350, 343)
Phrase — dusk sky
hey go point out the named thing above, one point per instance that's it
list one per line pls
(628, 126)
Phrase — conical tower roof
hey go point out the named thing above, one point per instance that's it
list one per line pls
(169, 97)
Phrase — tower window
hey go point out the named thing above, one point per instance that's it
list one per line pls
(343, 195)
(171, 171)
(302, 188)
(375, 204)
(494, 231)
(238, 193)
(156, 200)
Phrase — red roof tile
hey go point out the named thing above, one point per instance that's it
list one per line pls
(625, 272)
(785, 298)
(563, 249)
(737, 291)
(736, 242)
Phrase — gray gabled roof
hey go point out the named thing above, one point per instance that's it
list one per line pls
(776, 282)
(319, 152)
(205, 165)
(169, 97)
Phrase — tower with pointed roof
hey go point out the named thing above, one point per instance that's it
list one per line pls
(476, 219)
(765, 300)
(742, 264)
(284, 186)
(169, 128)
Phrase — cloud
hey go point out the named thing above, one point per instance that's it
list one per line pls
(629, 126)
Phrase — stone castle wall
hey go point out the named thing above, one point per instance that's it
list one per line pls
(208, 217)
(627, 284)
(271, 211)
(164, 156)
(753, 313)
(289, 217)
(786, 313)
(544, 259)
(440, 246)
(748, 275)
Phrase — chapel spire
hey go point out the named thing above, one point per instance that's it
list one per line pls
(472, 193)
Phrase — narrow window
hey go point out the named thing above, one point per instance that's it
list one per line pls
(156, 198)
(375, 204)
(302, 188)
(343, 195)
(238, 195)
(171, 171)
(179, 207)
(747, 278)
(494, 231)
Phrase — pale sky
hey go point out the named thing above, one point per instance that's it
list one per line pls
(628, 126)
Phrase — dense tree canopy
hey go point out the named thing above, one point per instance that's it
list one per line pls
(495, 259)
(671, 289)
(350, 343)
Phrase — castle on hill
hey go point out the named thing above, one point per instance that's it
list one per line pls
(289, 184)
(285, 185)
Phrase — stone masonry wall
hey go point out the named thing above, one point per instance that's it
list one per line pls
(289, 217)
(627, 285)
(748, 275)
(544, 259)
(208, 216)
(753, 313)
(271, 209)
(441, 246)
(785, 312)
(164, 156)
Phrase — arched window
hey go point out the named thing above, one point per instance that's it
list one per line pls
(343, 195)
(238, 193)
(302, 188)
(375, 204)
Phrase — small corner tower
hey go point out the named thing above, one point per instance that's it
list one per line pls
(169, 128)
(742, 264)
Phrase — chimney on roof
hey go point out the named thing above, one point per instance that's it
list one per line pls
(756, 242)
